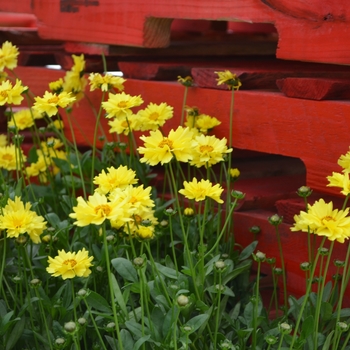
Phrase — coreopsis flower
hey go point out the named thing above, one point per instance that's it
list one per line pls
(208, 150)
(160, 149)
(114, 178)
(201, 190)
(119, 105)
(56, 86)
(145, 233)
(38, 168)
(203, 122)
(11, 94)
(234, 173)
(10, 157)
(3, 76)
(51, 143)
(70, 264)
(124, 125)
(3, 140)
(323, 220)
(137, 196)
(228, 78)
(155, 116)
(8, 56)
(97, 209)
(17, 219)
(186, 81)
(50, 102)
(21, 120)
(78, 64)
(74, 83)
(344, 161)
(340, 180)
(56, 125)
(106, 82)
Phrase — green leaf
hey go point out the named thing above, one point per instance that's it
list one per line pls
(243, 266)
(98, 302)
(126, 339)
(328, 341)
(135, 328)
(167, 271)
(112, 342)
(225, 291)
(196, 322)
(118, 295)
(247, 251)
(308, 327)
(140, 342)
(16, 333)
(125, 268)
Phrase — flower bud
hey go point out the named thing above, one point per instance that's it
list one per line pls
(186, 81)
(271, 340)
(164, 223)
(234, 173)
(304, 191)
(169, 212)
(323, 251)
(186, 329)
(220, 265)
(182, 300)
(226, 344)
(337, 277)
(60, 341)
(342, 326)
(339, 263)
(275, 220)
(237, 194)
(255, 229)
(46, 239)
(220, 287)
(188, 212)
(259, 256)
(285, 328)
(35, 282)
(82, 293)
(305, 266)
(139, 262)
(70, 327)
(21, 240)
(277, 271)
(82, 321)
(271, 261)
(110, 327)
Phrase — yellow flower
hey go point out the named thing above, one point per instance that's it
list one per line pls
(38, 168)
(344, 161)
(106, 82)
(3, 76)
(74, 84)
(322, 220)
(208, 150)
(11, 94)
(145, 232)
(50, 102)
(186, 81)
(10, 157)
(202, 122)
(114, 178)
(79, 64)
(3, 140)
(56, 86)
(8, 56)
(98, 209)
(138, 197)
(235, 173)
(199, 191)
(119, 105)
(22, 119)
(160, 149)
(154, 116)
(188, 211)
(56, 125)
(340, 180)
(70, 264)
(229, 79)
(124, 125)
(18, 219)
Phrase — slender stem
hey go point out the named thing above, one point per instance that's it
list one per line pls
(173, 245)
(183, 106)
(283, 267)
(256, 305)
(115, 316)
(217, 320)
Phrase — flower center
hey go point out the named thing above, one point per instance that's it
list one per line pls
(133, 200)
(125, 124)
(154, 116)
(138, 219)
(53, 100)
(327, 218)
(166, 142)
(122, 104)
(71, 262)
(7, 157)
(206, 149)
(103, 209)
(4, 94)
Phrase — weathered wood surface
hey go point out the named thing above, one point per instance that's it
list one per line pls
(316, 30)
(315, 88)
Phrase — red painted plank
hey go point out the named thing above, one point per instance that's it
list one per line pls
(315, 88)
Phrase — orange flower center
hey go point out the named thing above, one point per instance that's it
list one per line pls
(53, 99)
(122, 104)
(133, 200)
(138, 219)
(103, 209)
(206, 149)
(154, 116)
(166, 142)
(327, 218)
(4, 94)
(71, 262)
(7, 157)
(125, 124)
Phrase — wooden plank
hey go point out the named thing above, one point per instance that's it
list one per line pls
(264, 75)
(315, 88)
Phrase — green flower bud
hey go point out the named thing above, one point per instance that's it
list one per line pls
(285, 328)
(275, 220)
(70, 327)
(304, 191)
(182, 300)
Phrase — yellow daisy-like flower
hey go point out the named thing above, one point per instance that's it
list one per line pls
(22, 119)
(8, 56)
(56, 125)
(79, 63)
(344, 161)
(124, 125)
(145, 233)
(114, 178)
(98, 209)
(50, 102)
(340, 180)
(75, 83)
(70, 264)
(18, 219)
(202, 122)
(160, 149)
(228, 78)
(119, 105)
(208, 150)
(38, 168)
(199, 191)
(138, 196)
(155, 116)
(323, 220)
(11, 94)
(186, 81)
(3, 140)
(3, 76)
(235, 173)
(106, 82)
(56, 86)
(10, 157)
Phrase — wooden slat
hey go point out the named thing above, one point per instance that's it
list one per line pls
(315, 88)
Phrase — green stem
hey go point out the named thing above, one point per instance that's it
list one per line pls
(256, 305)
(173, 245)
(115, 316)
(183, 106)
(283, 267)
(217, 318)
